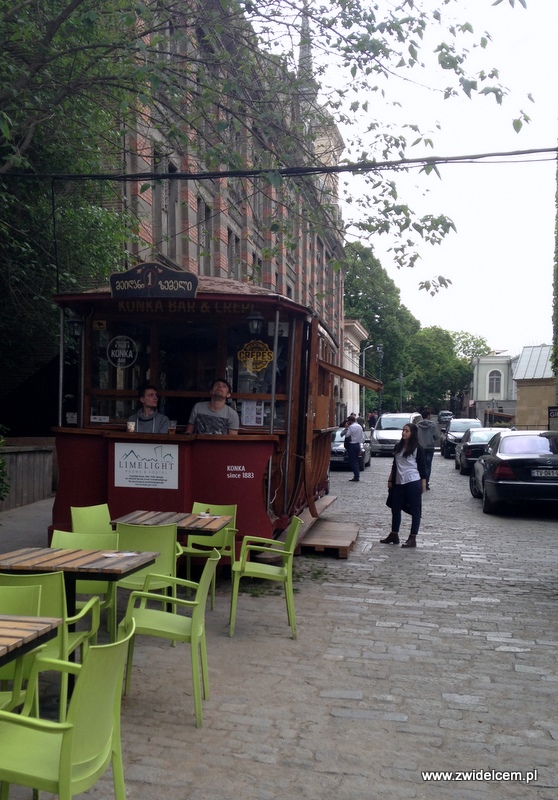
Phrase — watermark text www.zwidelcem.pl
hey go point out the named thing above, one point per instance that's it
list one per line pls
(527, 776)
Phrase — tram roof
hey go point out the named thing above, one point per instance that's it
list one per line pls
(208, 287)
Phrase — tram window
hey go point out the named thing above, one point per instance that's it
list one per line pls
(251, 415)
(120, 356)
(188, 357)
(108, 409)
(253, 364)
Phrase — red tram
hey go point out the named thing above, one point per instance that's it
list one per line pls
(280, 360)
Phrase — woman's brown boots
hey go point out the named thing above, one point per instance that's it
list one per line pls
(393, 538)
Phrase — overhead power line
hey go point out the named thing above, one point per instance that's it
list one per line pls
(360, 167)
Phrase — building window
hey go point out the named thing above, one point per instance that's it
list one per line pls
(204, 237)
(494, 382)
(173, 212)
(233, 254)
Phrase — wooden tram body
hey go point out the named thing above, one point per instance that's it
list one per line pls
(282, 377)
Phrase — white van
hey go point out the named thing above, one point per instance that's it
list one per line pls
(388, 430)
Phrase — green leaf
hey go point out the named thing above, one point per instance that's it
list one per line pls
(275, 179)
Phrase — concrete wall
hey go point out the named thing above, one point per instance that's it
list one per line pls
(533, 399)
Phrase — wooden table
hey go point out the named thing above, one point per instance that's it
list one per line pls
(19, 635)
(83, 565)
(185, 522)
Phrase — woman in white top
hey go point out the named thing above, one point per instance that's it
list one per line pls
(406, 484)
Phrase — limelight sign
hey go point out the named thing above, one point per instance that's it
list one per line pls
(146, 466)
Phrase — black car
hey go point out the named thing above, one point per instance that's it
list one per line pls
(339, 457)
(516, 467)
(471, 447)
(453, 433)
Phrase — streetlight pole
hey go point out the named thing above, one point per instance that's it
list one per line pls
(379, 360)
(363, 372)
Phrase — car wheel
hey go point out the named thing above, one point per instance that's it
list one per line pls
(488, 507)
(473, 488)
(463, 470)
(447, 453)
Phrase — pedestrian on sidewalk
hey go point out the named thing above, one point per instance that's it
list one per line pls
(429, 437)
(354, 437)
(406, 484)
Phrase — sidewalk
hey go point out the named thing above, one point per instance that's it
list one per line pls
(26, 526)
(442, 658)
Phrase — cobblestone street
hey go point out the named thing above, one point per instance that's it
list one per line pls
(439, 658)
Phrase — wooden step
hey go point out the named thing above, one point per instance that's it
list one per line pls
(325, 536)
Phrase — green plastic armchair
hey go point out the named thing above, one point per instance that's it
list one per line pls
(176, 627)
(284, 551)
(200, 545)
(24, 601)
(104, 590)
(156, 538)
(53, 604)
(91, 519)
(68, 758)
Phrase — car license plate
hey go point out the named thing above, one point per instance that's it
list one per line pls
(544, 473)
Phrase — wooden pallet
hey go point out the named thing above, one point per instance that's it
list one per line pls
(339, 536)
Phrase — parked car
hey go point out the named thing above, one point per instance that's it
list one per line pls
(444, 417)
(471, 447)
(339, 457)
(516, 467)
(454, 433)
(388, 430)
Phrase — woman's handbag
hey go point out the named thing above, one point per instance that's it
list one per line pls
(389, 502)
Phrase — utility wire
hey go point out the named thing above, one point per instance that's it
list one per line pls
(359, 167)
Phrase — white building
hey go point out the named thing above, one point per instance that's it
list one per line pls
(354, 335)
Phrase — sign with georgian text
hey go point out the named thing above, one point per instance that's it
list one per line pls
(153, 280)
(146, 466)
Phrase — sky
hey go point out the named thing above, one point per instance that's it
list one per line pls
(500, 261)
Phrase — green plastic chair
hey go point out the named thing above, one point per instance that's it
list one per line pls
(200, 545)
(104, 590)
(24, 601)
(91, 519)
(68, 758)
(175, 626)
(53, 604)
(155, 538)
(243, 568)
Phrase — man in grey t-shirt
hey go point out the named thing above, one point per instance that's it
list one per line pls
(214, 415)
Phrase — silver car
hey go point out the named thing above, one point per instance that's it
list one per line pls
(388, 431)
(339, 456)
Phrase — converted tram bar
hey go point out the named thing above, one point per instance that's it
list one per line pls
(278, 357)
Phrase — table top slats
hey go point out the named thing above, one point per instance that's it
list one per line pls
(47, 559)
(16, 631)
(184, 521)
